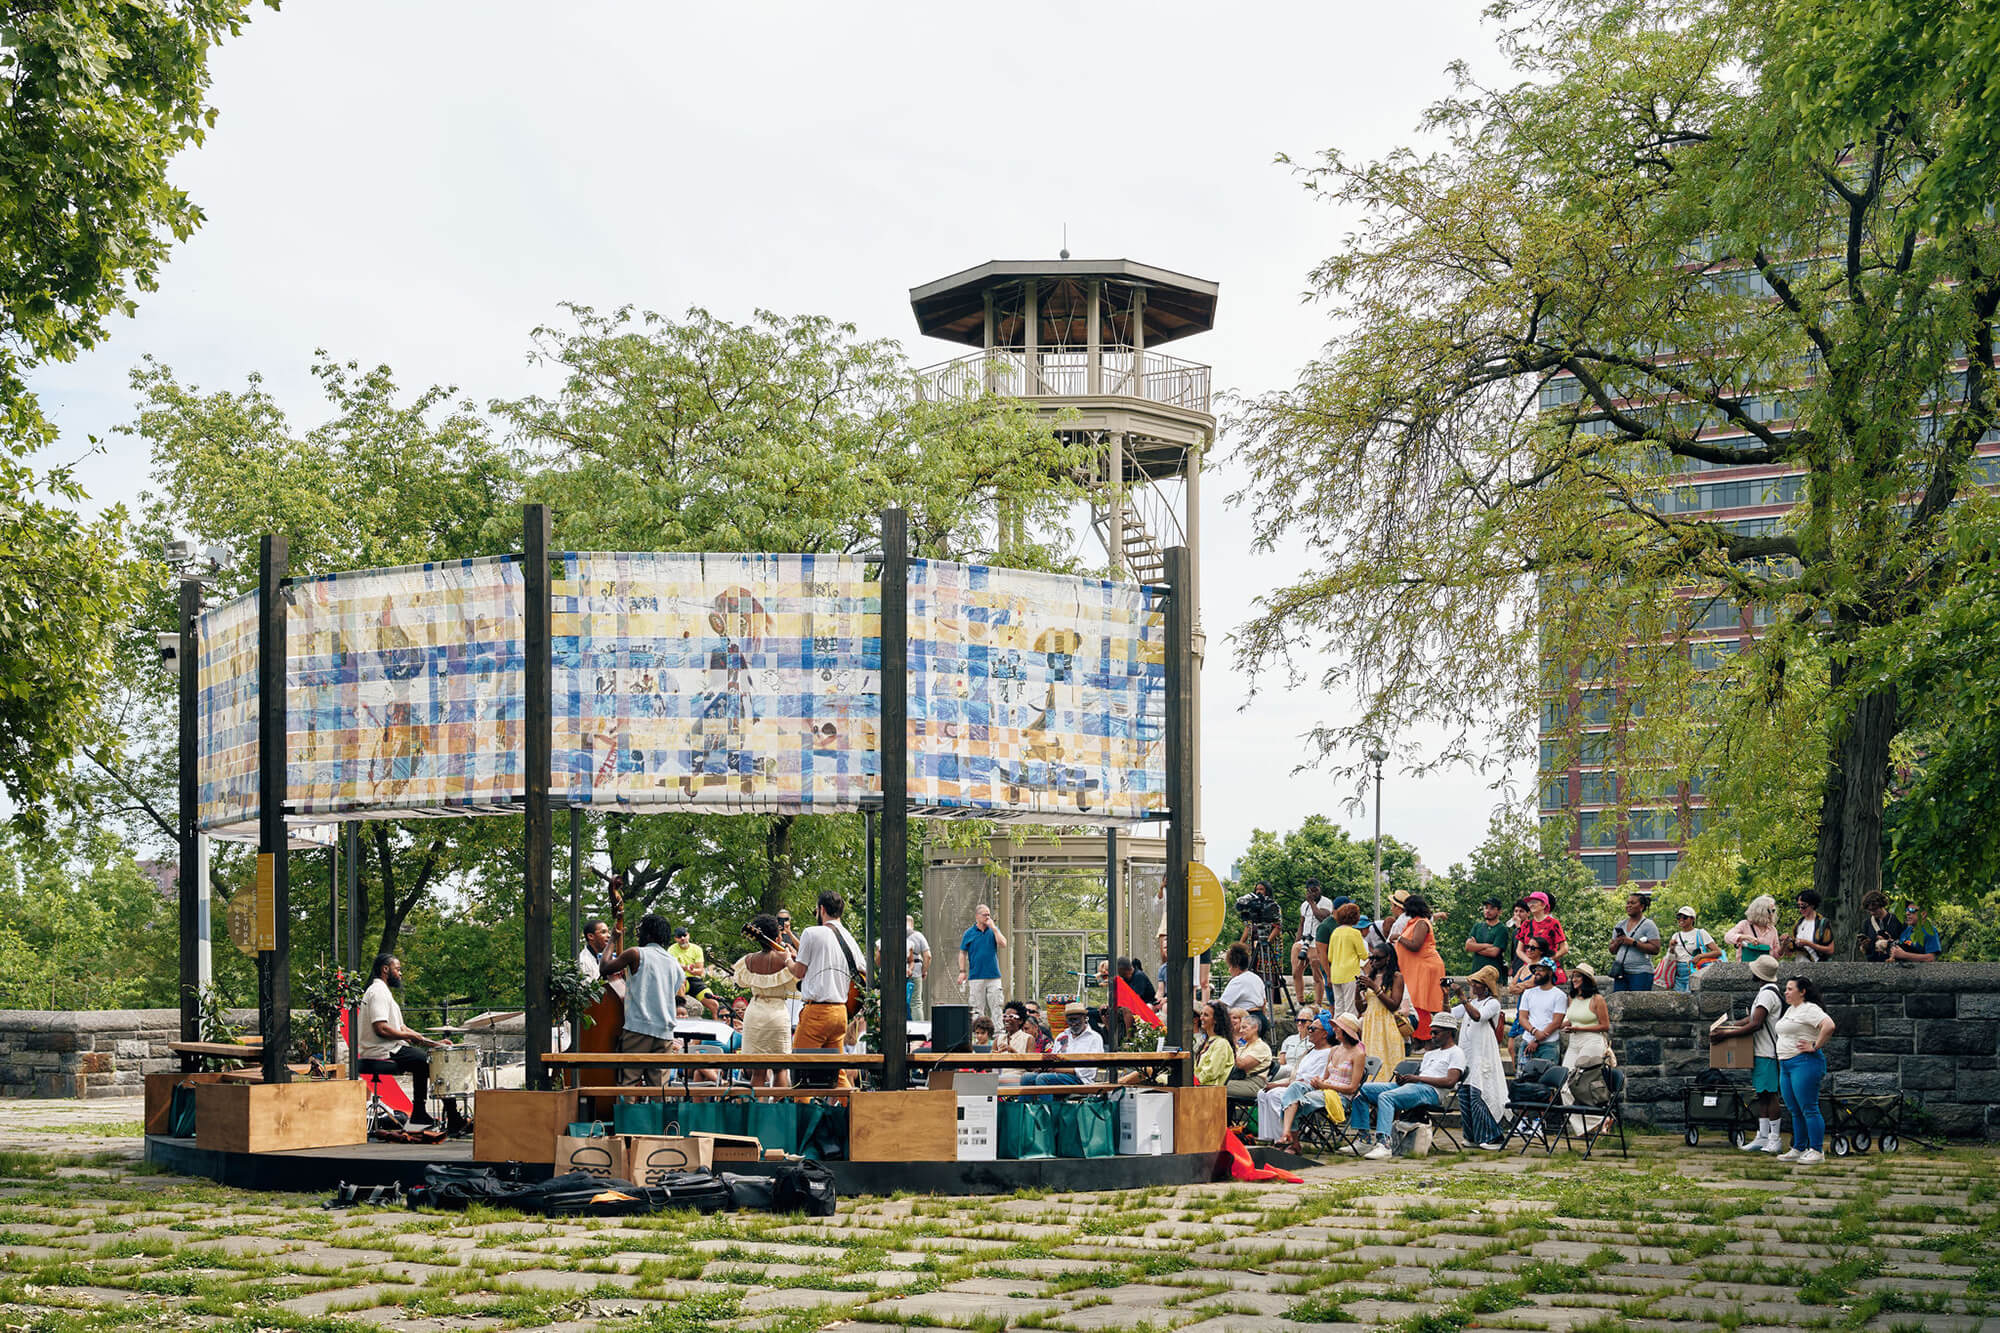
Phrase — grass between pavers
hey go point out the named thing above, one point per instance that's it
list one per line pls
(1484, 1219)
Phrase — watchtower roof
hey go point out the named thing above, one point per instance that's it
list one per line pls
(1175, 305)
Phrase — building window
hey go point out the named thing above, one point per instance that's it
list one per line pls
(1603, 869)
(1598, 789)
(1651, 825)
(1651, 865)
(1555, 795)
(1597, 829)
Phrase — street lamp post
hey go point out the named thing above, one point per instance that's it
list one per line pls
(1378, 755)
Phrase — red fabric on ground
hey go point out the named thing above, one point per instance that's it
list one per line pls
(1242, 1168)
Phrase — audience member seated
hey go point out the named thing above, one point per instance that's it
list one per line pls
(1215, 1053)
(1442, 1068)
(1252, 1069)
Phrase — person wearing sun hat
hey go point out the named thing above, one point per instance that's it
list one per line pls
(1483, 1095)
(1324, 1069)
(1762, 1026)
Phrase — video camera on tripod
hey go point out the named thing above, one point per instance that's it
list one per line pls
(1258, 909)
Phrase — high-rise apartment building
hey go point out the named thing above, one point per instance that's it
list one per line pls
(1589, 780)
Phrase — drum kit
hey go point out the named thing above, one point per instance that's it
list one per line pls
(454, 1078)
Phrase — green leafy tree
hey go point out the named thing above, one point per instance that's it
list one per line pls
(95, 100)
(82, 924)
(1616, 270)
(1317, 849)
(1510, 864)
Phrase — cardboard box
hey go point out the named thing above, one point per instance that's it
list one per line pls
(649, 1158)
(600, 1156)
(1732, 1052)
(1146, 1124)
(731, 1147)
(978, 1117)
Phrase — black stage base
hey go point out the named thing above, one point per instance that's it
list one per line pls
(312, 1170)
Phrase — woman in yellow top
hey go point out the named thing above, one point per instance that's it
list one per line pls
(1216, 1060)
(1338, 953)
(1417, 958)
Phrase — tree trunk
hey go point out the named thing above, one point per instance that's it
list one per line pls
(1848, 864)
(777, 863)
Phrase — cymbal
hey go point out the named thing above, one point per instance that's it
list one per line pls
(447, 1028)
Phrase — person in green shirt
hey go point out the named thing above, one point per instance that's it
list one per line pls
(688, 954)
(1492, 941)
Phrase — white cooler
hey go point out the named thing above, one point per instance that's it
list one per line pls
(1145, 1124)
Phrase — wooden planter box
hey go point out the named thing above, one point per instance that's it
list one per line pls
(280, 1117)
(1200, 1115)
(920, 1126)
(160, 1095)
(519, 1125)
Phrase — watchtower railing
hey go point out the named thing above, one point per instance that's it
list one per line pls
(1065, 373)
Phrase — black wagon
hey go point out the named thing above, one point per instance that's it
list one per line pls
(1721, 1105)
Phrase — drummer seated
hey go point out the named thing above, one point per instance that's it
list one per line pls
(386, 1045)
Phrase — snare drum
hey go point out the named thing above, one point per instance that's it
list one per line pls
(454, 1071)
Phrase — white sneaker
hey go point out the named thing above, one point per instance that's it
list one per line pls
(1378, 1153)
(1758, 1145)
(1810, 1157)
(1771, 1144)
(1790, 1155)
(1492, 1147)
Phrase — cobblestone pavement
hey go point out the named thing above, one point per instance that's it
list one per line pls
(1688, 1239)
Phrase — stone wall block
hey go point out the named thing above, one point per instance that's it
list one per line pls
(1883, 1045)
(1928, 1071)
(51, 1041)
(1982, 1086)
(1877, 1064)
(58, 1085)
(1953, 1037)
(1855, 1020)
(1972, 1005)
(96, 1062)
(1930, 1006)
(1861, 1085)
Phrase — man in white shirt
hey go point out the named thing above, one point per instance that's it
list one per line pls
(1541, 1010)
(1295, 1046)
(1079, 1038)
(1245, 989)
(1443, 1067)
(384, 1043)
(827, 962)
(596, 947)
(1313, 909)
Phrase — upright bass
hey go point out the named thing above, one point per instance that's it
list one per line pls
(604, 1021)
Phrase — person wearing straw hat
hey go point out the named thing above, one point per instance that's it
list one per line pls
(1762, 1027)
(1443, 1067)
(1078, 1038)
(1334, 1087)
(1483, 1095)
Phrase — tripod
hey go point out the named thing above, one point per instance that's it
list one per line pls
(1266, 962)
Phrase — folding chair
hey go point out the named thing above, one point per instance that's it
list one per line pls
(1440, 1117)
(1539, 1112)
(1608, 1118)
(1317, 1129)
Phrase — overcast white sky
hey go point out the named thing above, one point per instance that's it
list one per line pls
(421, 184)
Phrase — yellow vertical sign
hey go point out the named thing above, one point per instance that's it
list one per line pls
(267, 901)
(1205, 909)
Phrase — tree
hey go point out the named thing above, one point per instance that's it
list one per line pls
(97, 99)
(1509, 865)
(1615, 272)
(1317, 849)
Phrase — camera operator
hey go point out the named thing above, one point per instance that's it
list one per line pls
(1260, 914)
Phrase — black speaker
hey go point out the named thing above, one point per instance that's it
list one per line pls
(951, 1027)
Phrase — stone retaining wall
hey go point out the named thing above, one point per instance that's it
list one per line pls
(1928, 1030)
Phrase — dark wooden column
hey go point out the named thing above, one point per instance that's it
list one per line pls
(538, 906)
(357, 918)
(1180, 796)
(895, 796)
(1113, 901)
(189, 661)
(274, 964)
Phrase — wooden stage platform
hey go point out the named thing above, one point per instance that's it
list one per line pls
(316, 1170)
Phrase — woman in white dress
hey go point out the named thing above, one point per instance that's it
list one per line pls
(767, 976)
(1482, 1097)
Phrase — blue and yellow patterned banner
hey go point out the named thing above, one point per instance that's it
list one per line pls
(728, 682)
(1036, 696)
(724, 683)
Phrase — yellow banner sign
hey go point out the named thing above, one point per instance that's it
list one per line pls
(267, 901)
(1205, 909)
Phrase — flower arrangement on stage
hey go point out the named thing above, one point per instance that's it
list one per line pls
(328, 992)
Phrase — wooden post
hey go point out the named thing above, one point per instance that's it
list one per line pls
(538, 914)
(871, 880)
(895, 796)
(190, 798)
(357, 917)
(1031, 338)
(1093, 337)
(274, 964)
(1112, 921)
(1180, 796)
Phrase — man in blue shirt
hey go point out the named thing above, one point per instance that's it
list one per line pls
(1919, 943)
(979, 965)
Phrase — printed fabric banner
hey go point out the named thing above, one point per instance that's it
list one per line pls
(1036, 696)
(226, 682)
(405, 689)
(731, 682)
